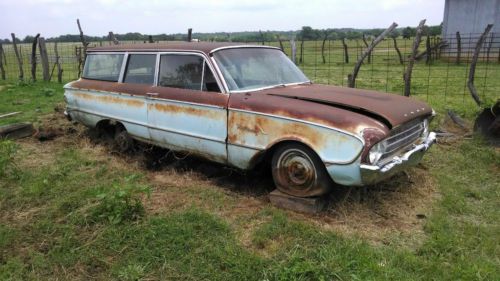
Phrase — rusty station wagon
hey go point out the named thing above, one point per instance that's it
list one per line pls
(241, 104)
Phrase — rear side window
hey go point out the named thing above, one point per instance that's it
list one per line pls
(181, 71)
(140, 69)
(104, 67)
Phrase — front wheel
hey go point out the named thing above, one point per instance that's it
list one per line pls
(298, 171)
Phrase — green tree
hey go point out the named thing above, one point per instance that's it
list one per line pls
(409, 32)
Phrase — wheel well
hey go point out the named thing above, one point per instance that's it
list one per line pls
(109, 127)
(264, 158)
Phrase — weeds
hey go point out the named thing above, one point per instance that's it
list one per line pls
(122, 202)
(8, 150)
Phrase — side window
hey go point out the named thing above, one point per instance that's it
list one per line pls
(186, 72)
(140, 69)
(209, 82)
(105, 67)
(181, 71)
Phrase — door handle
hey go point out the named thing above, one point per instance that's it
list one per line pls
(152, 94)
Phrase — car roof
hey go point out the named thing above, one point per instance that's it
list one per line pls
(204, 47)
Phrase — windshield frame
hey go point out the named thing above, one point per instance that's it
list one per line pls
(223, 79)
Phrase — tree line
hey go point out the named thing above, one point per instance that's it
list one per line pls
(306, 33)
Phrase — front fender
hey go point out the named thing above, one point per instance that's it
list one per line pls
(256, 132)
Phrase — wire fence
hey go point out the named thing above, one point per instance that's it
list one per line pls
(440, 73)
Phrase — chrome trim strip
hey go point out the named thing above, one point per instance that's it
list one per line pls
(219, 74)
(270, 87)
(203, 74)
(242, 46)
(157, 69)
(69, 109)
(122, 69)
(301, 121)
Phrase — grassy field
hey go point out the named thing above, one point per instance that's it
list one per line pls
(74, 209)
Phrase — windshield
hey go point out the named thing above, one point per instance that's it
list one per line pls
(253, 68)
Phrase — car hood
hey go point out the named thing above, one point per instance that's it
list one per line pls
(390, 109)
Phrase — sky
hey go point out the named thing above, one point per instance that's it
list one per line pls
(56, 17)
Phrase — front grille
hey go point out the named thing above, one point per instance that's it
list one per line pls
(402, 137)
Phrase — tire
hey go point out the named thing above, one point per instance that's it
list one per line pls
(122, 141)
(298, 171)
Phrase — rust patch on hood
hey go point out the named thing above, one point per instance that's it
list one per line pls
(391, 109)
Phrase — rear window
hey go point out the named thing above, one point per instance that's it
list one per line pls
(104, 67)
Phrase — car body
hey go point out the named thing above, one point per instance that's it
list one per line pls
(238, 104)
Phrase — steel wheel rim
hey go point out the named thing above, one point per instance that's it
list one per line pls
(296, 169)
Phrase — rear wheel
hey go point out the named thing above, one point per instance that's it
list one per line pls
(123, 141)
(298, 171)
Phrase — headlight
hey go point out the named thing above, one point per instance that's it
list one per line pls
(376, 152)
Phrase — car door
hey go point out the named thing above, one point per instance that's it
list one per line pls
(186, 109)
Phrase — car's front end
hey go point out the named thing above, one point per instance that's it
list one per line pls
(403, 148)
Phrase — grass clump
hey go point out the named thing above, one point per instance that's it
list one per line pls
(8, 150)
(121, 202)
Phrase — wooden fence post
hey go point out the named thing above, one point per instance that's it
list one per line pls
(33, 57)
(357, 66)
(472, 71)
(2, 70)
(78, 54)
(82, 39)
(459, 48)
(19, 60)
(4, 58)
(190, 34)
(428, 54)
(293, 46)
(411, 62)
(44, 59)
(112, 38)
(366, 46)
(346, 53)
(398, 51)
(58, 63)
(281, 43)
(301, 56)
(325, 37)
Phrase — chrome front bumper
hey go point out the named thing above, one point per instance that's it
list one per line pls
(371, 174)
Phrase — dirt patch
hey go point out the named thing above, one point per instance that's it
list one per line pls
(393, 212)
(387, 213)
